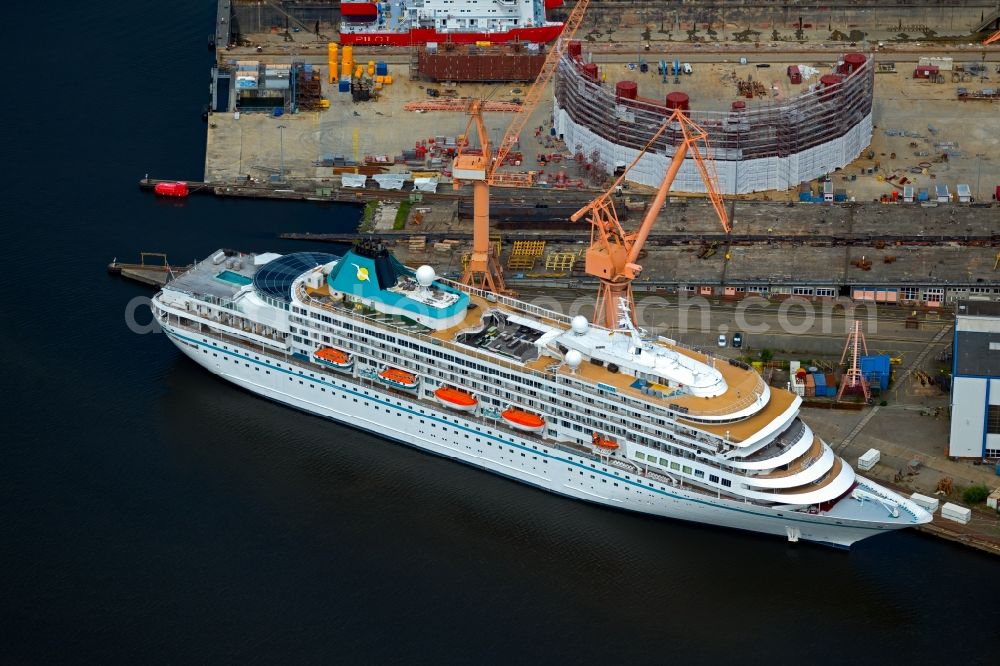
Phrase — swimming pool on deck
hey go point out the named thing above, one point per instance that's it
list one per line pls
(234, 278)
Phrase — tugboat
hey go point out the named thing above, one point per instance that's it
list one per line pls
(452, 398)
(522, 420)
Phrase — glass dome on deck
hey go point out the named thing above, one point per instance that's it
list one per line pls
(274, 279)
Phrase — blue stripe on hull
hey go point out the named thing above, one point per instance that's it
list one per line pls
(550, 456)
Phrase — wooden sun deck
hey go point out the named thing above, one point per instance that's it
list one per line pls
(322, 291)
(780, 401)
(799, 463)
(473, 318)
(838, 466)
(743, 385)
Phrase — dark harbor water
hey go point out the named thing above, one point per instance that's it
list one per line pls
(151, 513)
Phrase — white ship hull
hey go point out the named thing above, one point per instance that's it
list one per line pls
(430, 427)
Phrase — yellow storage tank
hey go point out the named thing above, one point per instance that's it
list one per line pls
(348, 58)
(387, 79)
(359, 71)
(379, 80)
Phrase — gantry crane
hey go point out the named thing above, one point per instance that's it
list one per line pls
(482, 169)
(613, 252)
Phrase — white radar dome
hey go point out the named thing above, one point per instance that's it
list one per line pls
(425, 275)
(580, 325)
(574, 359)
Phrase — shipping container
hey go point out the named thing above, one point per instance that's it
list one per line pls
(959, 514)
(877, 370)
(923, 501)
(869, 459)
(964, 193)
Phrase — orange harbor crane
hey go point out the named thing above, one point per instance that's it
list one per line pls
(482, 168)
(995, 37)
(613, 253)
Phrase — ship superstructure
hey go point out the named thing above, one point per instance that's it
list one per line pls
(410, 22)
(612, 416)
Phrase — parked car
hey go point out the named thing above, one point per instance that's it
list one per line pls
(737, 340)
(722, 340)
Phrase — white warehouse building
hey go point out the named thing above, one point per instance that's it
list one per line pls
(975, 392)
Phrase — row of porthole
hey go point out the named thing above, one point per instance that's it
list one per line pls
(421, 411)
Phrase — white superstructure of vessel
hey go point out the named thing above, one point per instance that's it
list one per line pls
(614, 417)
(409, 22)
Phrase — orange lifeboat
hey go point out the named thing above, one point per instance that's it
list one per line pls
(399, 379)
(602, 443)
(522, 420)
(453, 398)
(333, 358)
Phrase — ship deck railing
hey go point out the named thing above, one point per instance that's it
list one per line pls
(625, 465)
(749, 387)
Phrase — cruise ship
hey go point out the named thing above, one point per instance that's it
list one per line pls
(415, 22)
(614, 417)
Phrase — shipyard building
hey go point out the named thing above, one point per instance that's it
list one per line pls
(975, 393)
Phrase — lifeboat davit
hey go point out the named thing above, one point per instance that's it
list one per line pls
(453, 398)
(333, 358)
(178, 189)
(522, 420)
(602, 443)
(399, 379)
